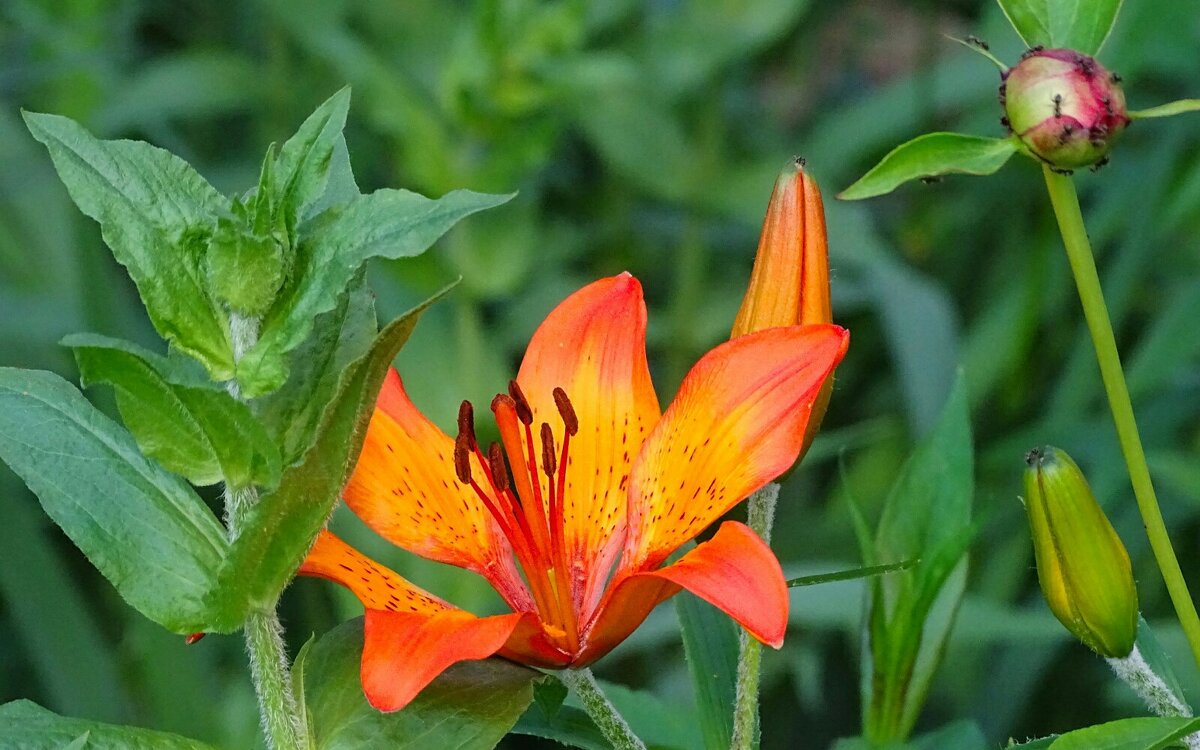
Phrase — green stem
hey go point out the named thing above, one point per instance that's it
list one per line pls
(601, 710)
(760, 516)
(282, 724)
(284, 728)
(1083, 266)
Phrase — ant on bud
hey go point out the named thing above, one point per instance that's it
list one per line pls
(972, 39)
(1058, 101)
(931, 179)
(1100, 164)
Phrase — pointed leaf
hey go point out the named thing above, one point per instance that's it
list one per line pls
(143, 528)
(202, 433)
(470, 706)
(1146, 733)
(281, 527)
(1170, 109)
(710, 643)
(302, 171)
(24, 724)
(1081, 25)
(927, 514)
(333, 247)
(931, 155)
(156, 214)
(339, 337)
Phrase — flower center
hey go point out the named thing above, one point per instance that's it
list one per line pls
(532, 520)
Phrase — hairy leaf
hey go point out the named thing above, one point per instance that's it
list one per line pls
(202, 433)
(283, 524)
(470, 706)
(157, 215)
(24, 724)
(1146, 733)
(333, 247)
(143, 528)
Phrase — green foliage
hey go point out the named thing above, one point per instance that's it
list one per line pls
(191, 426)
(1081, 25)
(928, 515)
(27, 725)
(333, 248)
(710, 643)
(282, 525)
(471, 706)
(142, 527)
(156, 214)
(932, 155)
(1145, 733)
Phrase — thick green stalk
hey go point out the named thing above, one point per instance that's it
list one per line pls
(284, 728)
(601, 710)
(760, 516)
(1087, 281)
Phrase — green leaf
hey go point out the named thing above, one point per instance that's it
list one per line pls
(24, 724)
(1146, 733)
(1169, 109)
(662, 725)
(339, 337)
(710, 643)
(471, 705)
(333, 247)
(852, 574)
(156, 214)
(549, 694)
(143, 528)
(928, 515)
(282, 525)
(568, 726)
(202, 433)
(303, 168)
(1081, 25)
(931, 155)
(1041, 743)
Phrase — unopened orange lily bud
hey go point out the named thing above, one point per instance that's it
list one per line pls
(790, 282)
(1082, 566)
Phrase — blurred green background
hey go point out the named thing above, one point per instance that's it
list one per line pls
(644, 136)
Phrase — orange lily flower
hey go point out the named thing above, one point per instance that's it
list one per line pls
(603, 488)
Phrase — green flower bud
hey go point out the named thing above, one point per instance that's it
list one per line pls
(1064, 106)
(245, 269)
(1082, 566)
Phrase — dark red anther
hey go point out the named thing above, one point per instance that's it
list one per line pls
(570, 421)
(499, 472)
(193, 638)
(466, 423)
(549, 460)
(462, 457)
(524, 413)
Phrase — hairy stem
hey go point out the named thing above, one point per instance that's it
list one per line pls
(1087, 281)
(1135, 672)
(282, 724)
(760, 516)
(601, 710)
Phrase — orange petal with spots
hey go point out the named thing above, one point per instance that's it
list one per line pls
(375, 586)
(737, 422)
(593, 346)
(404, 651)
(735, 571)
(405, 488)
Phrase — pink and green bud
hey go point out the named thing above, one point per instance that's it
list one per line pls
(1064, 106)
(1082, 566)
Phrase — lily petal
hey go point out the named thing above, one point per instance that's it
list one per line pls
(737, 422)
(375, 586)
(404, 651)
(593, 346)
(405, 488)
(735, 571)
